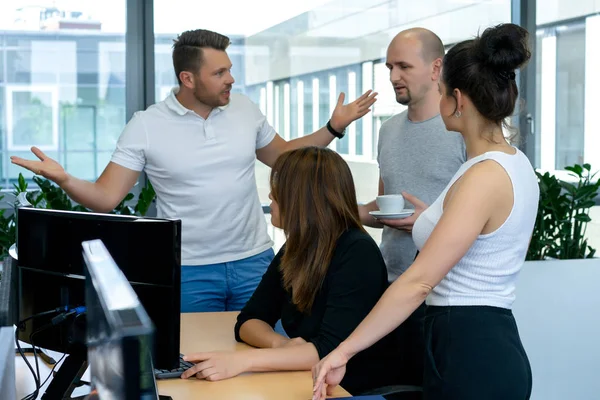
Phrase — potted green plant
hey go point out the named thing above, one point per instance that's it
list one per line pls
(557, 299)
(563, 215)
(53, 197)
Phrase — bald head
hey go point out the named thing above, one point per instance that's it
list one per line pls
(431, 46)
(414, 58)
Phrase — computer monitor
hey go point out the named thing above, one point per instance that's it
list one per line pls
(119, 331)
(52, 275)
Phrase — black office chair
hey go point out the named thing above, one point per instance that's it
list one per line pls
(397, 392)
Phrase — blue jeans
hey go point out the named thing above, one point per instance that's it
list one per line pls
(222, 287)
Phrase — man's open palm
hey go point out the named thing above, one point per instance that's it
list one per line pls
(344, 115)
(46, 167)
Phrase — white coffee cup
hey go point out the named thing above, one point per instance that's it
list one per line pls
(390, 203)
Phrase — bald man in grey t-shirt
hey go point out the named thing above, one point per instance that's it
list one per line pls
(417, 155)
(417, 158)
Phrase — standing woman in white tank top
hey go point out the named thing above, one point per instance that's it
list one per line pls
(472, 240)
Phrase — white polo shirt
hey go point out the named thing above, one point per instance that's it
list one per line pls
(203, 173)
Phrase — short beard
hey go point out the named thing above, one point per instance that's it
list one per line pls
(404, 100)
(207, 100)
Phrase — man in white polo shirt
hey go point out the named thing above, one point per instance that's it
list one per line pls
(198, 148)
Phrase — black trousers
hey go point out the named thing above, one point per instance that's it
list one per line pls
(474, 353)
(412, 347)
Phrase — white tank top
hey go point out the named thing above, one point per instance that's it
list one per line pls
(487, 273)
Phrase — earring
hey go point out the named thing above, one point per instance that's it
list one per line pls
(458, 114)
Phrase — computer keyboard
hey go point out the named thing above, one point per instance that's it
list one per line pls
(174, 373)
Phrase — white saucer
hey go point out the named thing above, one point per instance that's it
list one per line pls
(397, 215)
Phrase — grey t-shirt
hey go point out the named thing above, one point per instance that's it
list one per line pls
(419, 158)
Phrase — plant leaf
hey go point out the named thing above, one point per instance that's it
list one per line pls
(582, 218)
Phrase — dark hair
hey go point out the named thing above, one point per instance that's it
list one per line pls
(484, 69)
(187, 49)
(317, 202)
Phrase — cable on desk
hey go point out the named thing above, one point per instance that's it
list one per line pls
(35, 357)
(65, 312)
(20, 326)
(52, 370)
(35, 378)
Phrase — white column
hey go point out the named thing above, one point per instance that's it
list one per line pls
(276, 122)
(263, 100)
(300, 99)
(548, 104)
(270, 104)
(367, 120)
(351, 96)
(333, 95)
(286, 111)
(591, 139)
(315, 104)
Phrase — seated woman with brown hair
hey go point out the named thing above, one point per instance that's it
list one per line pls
(321, 284)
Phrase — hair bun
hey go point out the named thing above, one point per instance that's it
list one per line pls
(503, 47)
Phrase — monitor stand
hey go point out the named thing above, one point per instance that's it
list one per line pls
(67, 377)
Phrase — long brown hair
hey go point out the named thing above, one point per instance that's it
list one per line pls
(317, 203)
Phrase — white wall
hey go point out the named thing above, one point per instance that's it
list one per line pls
(557, 314)
(593, 232)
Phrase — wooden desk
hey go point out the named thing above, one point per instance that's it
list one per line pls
(214, 332)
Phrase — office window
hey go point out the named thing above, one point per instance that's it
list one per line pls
(307, 107)
(570, 95)
(2, 58)
(342, 84)
(568, 83)
(295, 102)
(295, 60)
(287, 110)
(325, 88)
(315, 104)
(32, 118)
(561, 91)
(365, 136)
(62, 83)
(278, 112)
(332, 95)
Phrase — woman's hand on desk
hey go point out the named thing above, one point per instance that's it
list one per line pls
(328, 373)
(295, 355)
(216, 366)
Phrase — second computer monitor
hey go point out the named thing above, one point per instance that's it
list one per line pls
(51, 266)
(119, 331)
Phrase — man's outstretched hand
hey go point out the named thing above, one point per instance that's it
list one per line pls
(344, 115)
(46, 167)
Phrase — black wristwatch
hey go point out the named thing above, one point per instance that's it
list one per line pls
(335, 133)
